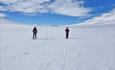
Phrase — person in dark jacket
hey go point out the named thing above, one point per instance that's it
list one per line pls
(34, 33)
(67, 32)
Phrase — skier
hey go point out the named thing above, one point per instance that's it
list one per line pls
(34, 33)
(67, 32)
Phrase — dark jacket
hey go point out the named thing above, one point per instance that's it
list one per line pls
(35, 30)
(67, 30)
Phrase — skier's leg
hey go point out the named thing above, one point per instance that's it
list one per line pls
(67, 35)
(35, 36)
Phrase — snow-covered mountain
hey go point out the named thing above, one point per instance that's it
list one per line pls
(8, 23)
(104, 19)
(89, 48)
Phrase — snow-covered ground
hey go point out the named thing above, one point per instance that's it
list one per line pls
(88, 48)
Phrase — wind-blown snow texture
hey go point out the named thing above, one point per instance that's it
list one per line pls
(89, 48)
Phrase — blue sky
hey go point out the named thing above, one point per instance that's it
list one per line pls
(54, 12)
